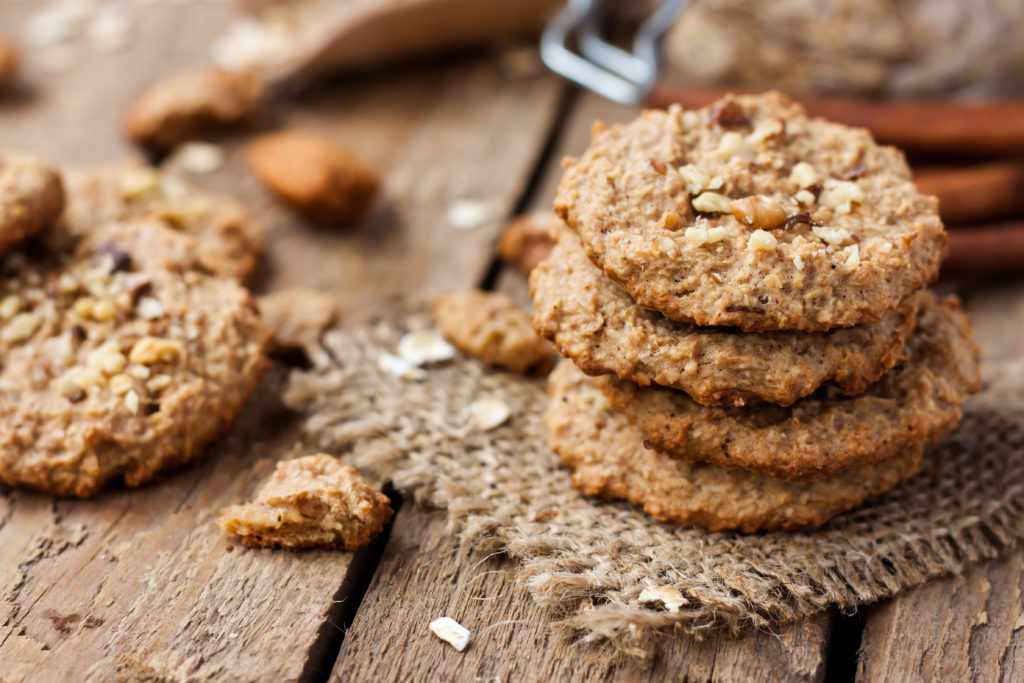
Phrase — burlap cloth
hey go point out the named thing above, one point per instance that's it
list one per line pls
(588, 560)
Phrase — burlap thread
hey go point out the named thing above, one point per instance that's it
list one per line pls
(589, 560)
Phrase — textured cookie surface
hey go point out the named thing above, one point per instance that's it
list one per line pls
(31, 198)
(310, 502)
(228, 242)
(917, 401)
(491, 327)
(609, 459)
(750, 214)
(118, 361)
(595, 322)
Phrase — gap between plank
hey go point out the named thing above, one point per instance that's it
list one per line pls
(844, 646)
(565, 104)
(324, 653)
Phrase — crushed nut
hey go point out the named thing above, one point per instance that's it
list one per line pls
(728, 114)
(761, 240)
(804, 197)
(832, 236)
(798, 262)
(107, 358)
(150, 308)
(734, 145)
(712, 202)
(804, 175)
(21, 327)
(696, 179)
(764, 130)
(852, 253)
(131, 401)
(120, 384)
(159, 383)
(836, 193)
(758, 211)
(150, 350)
(9, 306)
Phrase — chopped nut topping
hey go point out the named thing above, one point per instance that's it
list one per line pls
(131, 401)
(159, 383)
(836, 193)
(21, 327)
(712, 202)
(735, 145)
(729, 115)
(758, 212)
(852, 256)
(150, 308)
(696, 179)
(77, 380)
(762, 240)
(9, 306)
(696, 235)
(764, 130)
(107, 358)
(798, 262)
(805, 197)
(670, 220)
(804, 175)
(120, 384)
(832, 236)
(659, 166)
(150, 350)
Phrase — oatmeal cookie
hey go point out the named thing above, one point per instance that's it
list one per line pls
(491, 327)
(117, 362)
(527, 240)
(31, 198)
(228, 241)
(315, 176)
(917, 401)
(609, 459)
(594, 322)
(310, 502)
(750, 214)
(192, 104)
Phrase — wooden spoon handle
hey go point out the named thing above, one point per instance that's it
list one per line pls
(988, 127)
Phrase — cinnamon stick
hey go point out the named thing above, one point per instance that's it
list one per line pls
(984, 126)
(976, 193)
(985, 252)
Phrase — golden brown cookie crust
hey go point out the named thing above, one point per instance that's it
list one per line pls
(750, 214)
(610, 460)
(116, 363)
(491, 327)
(918, 401)
(31, 198)
(310, 502)
(227, 240)
(597, 324)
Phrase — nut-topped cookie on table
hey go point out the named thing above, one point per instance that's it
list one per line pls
(597, 324)
(749, 213)
(120, 359)
(227, 239)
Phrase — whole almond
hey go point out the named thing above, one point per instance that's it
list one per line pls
(317, 177)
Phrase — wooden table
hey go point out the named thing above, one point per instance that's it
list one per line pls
(140, 584)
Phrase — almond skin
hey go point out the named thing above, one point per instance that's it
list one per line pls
(321, 180)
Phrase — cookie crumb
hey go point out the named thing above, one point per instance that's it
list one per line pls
(320, 179)
(192, 104)
(451, 631)
(667, 595)
(491, 327)
(310, 502)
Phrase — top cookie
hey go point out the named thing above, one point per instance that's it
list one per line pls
(750, 214)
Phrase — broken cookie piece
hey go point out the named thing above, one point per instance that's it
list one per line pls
(190, 105)
(310, 502)
(318, 178)
(491, 327)
(526, 240)
(296, 317)
(31, 197)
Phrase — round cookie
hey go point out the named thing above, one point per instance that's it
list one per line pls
(750, 214)
(610, 460)
(917, 401)
(594, 322)
(31, 198)
(227, 241)
(118, 360)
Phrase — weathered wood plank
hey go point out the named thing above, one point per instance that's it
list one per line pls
(424, 575)
(141, 584)
(969, 627)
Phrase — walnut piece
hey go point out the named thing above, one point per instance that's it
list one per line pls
(758, 212)
(318, 178)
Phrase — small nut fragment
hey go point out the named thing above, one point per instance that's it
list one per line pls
(758, 211)
(21, 327)
(191, 104)
(729, 114)
(150, 350)
(712, 202)
(832, 236)
(836, 193)
(318, 178)
(804, 175)
(451, 631)
(696, 178)
(761, 240)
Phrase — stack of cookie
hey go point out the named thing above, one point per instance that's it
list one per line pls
(743, 284)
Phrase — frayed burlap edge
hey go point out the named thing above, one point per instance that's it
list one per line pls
(588, 561)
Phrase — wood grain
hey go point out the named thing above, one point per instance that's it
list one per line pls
(141, 584)
(424, 574)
